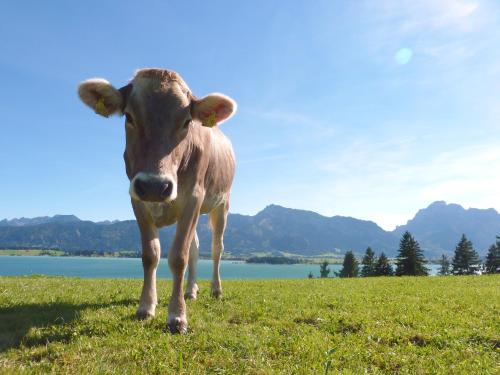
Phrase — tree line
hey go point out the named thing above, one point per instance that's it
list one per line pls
(410, 261)
(466, 260)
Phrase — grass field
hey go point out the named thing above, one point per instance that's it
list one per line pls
(447, 325)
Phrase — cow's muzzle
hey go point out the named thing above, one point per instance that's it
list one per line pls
(152, 188)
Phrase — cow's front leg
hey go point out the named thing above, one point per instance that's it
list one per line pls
(177, 260)
(150, 257)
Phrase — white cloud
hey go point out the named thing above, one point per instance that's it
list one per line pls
(437, 15)
(409, 16)
(468, 175)
(388, 181)
(444, 30)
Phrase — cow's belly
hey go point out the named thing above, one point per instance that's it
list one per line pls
(211, 202)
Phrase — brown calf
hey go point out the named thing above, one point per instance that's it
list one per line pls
(179, 165)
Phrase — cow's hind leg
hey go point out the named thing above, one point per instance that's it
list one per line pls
(218, 218)
(150, 258)
(192, 286)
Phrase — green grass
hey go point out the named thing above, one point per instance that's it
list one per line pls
(31, 252)
(447, 325)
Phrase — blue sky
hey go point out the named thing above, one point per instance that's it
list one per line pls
(371, 109)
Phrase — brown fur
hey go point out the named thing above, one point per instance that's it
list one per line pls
(197, 159)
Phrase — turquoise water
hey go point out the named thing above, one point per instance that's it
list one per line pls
(132, 268)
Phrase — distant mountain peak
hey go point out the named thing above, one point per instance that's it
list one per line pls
(443, 205)
(272, 209)
(65, 218)
(437, 204)
(24, 221)
(276, 210)
(439, 226)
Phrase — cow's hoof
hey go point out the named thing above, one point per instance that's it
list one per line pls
(177, 325)
(145, 313)
(216, 293)
(190, 295)
(191, 292)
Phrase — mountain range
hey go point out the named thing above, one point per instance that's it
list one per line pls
(274, 230)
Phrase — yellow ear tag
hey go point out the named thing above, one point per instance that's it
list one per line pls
(100, 108)
(210, 120)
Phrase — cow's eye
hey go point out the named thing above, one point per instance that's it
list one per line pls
(187, 123)
(129, 119)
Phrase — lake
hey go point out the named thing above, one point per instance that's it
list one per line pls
(132, 268)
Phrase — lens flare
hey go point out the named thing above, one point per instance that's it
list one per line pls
(403, 56)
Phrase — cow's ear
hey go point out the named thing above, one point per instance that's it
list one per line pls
(213, 109)
(101, 96)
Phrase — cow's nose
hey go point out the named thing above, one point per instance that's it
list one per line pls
(140, 188)
(152, 189)
(167, 190)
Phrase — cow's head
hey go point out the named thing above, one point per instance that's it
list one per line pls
(160, 112)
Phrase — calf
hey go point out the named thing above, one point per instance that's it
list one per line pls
(180, 165)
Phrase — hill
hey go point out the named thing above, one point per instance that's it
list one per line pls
(274, 230)
(280, 229)
(24, 221)
(439, 227)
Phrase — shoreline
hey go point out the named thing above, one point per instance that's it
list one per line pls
(298, 260)
(315, 261)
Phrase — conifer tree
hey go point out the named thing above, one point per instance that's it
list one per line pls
(444, 266)
(350, 266)
(324, 271)
(368, 263)
(383, 267)
(492, 264)
(410, 259)
(466, 260)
